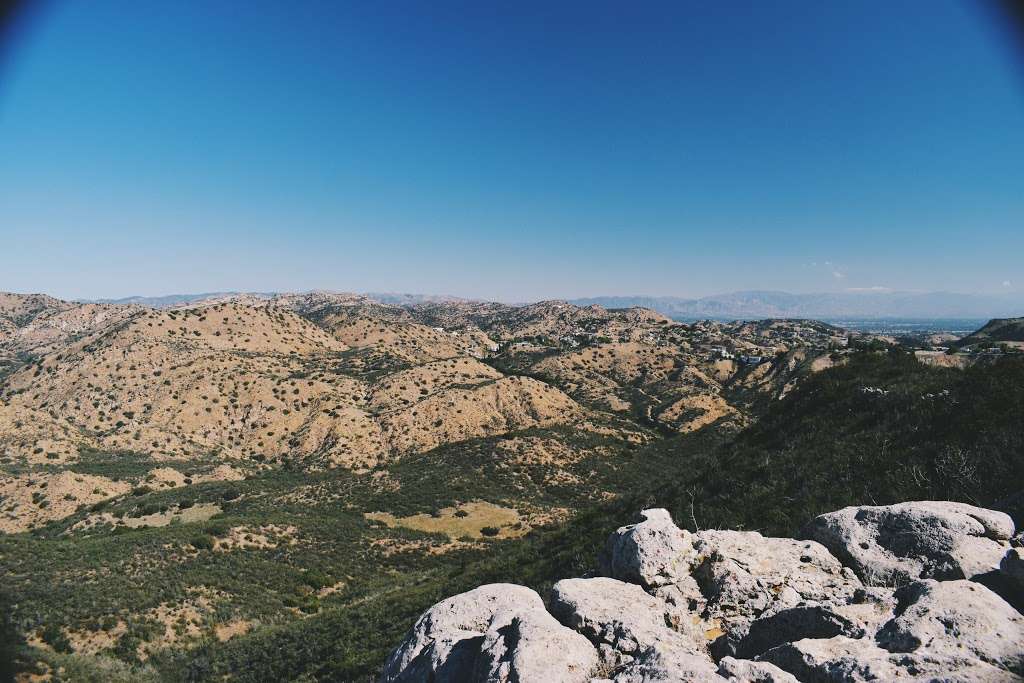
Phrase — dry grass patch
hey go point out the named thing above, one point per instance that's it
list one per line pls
(389, 547)
(259, 538)
(196, 513)
(470, 520)
(226, 632)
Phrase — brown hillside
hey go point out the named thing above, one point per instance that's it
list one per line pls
(457, 414)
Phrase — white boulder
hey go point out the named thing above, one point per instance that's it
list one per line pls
(956, 618)
(471, 637)
(848, 660)
(747, 671)
(620, 618)
(894, 544)
(531, 646)
(653, 552)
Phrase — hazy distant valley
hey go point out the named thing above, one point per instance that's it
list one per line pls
(871, 305)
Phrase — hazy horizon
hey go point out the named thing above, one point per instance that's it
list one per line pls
(941, 309)
(881, 292)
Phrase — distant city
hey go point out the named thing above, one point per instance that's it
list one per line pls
(898, 327)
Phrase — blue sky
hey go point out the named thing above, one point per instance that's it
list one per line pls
(511, 151)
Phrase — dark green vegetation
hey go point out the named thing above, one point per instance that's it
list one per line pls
(125, 465)
(10, 641)
(997, 330)
(879, 429)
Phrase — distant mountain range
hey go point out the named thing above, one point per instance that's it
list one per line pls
(748, 305)
(834, 305)
(169, 300)
(412, 299)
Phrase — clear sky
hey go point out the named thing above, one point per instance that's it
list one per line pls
(510, 150)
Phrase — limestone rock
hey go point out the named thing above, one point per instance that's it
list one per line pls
(796, 623)
(956, 618)
(444, 642)
(532, 647)
(664, 661)
(769, 610)
(742, 574)
(847, 660)
(746, 671)
(654, 552)
(1012, 566)
(621, 618)
(894, 544)
(745, 572)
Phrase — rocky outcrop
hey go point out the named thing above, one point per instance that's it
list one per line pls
(849, 660)
(494, 633)
(742, 576)
(531, 646)
(873, 594)
(1012, 567)
(621, 619)
(752, 672)
(654, 552)
(796, 623)
(956, 618)
(922, 540)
